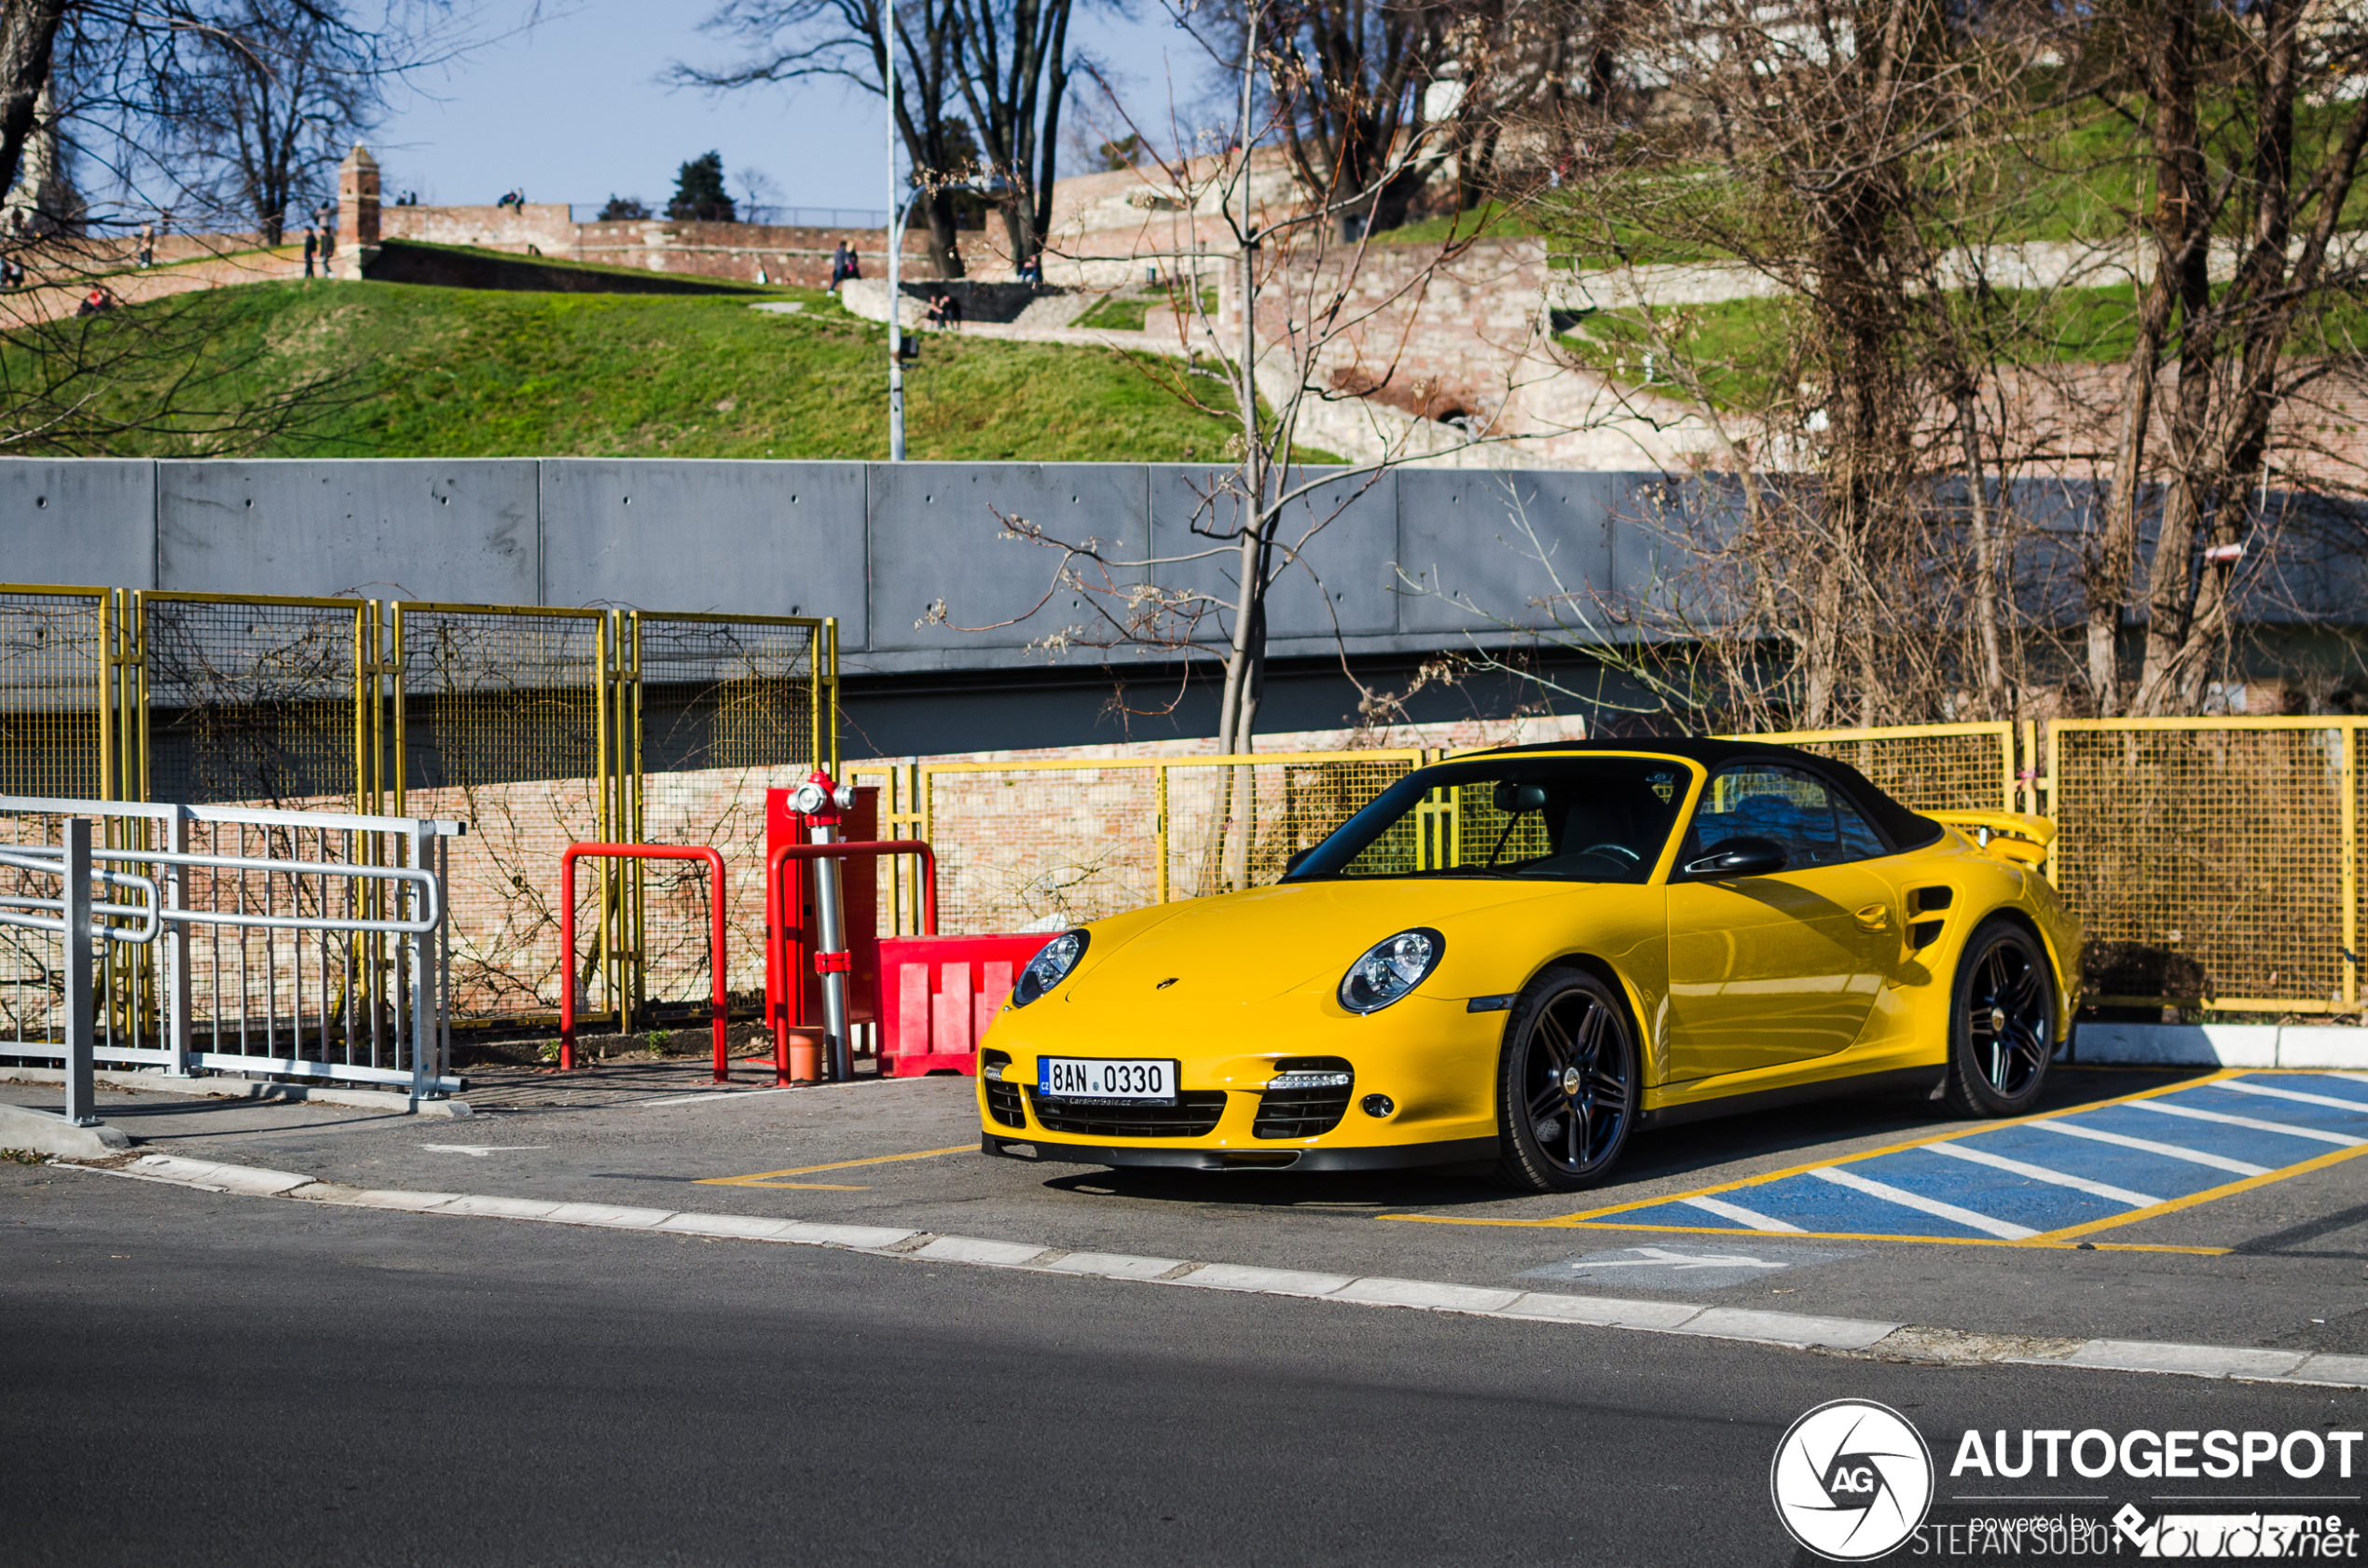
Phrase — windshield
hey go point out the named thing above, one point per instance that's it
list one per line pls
(1566, 818)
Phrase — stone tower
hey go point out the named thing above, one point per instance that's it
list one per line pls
(357, 212)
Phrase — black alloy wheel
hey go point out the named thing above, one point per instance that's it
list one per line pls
(1567, 1086)
(2002, 1023)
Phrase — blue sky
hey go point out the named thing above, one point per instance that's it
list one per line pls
(573, 110)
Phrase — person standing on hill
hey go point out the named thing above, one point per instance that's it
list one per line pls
(147, 245)
(838, 266)
(312, 247)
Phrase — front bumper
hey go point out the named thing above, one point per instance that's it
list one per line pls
(1392, 1157)
(1433, 1060)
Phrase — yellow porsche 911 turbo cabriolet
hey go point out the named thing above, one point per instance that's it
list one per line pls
(1518, 957)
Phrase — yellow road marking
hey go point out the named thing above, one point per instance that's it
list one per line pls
(2066, 1238)
(2046, 1241)
(2244, 1185)
(765, 1178)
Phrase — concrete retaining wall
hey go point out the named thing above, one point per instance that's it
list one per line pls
(1401, 564)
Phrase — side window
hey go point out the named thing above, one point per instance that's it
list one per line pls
(1816, 826)
(1860, 841)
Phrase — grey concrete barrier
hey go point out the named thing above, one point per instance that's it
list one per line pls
(42, 1132)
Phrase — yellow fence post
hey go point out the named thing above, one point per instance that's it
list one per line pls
(831, 704)
(1160, 817)
(2348, 735)
(2051, 783)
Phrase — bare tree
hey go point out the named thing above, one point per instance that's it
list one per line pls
(277, 90)
(2255, 118)
(28, 37)
(1852, 565)
(1014, 76)
(1004, 59)
(1303, 326)
(126, 105)
(1349, 81)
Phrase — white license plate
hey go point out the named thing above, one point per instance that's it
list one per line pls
(1107, 1082)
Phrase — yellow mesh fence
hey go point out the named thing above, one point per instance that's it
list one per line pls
(1929, 767)
(1036, 845)
(2214, 861)
(55, 702)
(1238, 824)
(721, 708)
(256, 700)
(499, 721)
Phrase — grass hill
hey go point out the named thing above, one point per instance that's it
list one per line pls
(418, 371)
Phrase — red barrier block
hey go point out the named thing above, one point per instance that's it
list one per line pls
(939, 994)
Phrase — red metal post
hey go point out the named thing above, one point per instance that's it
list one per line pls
(779, 916)
(717, 956)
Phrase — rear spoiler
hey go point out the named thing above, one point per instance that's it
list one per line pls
(2007, 835)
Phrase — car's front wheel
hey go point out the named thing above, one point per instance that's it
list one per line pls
(2002, 1023)
(1566, 1094)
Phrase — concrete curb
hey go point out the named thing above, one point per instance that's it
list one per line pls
(1786, 1330)
(251, 1089)
(40, 1133)
(2310, 1047)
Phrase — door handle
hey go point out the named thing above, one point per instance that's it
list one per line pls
(1874, 918)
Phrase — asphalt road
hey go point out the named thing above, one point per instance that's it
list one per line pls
(194, 1379)
(2295, 1273)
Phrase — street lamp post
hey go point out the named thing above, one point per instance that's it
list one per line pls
(895, 250)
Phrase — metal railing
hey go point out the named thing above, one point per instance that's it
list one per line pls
(535, 724)
(301, 944)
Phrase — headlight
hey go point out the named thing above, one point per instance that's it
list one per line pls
(1051, 965)
(1391, 968)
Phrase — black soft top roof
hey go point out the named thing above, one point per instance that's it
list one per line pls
(1903, 828)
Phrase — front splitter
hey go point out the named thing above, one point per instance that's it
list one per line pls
(1394, 1156)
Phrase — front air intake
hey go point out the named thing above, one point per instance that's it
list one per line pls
(1307, 1097)
(1002, 1099)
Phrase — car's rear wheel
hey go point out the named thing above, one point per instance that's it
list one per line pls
(1566, 1094)
(2002, 1023)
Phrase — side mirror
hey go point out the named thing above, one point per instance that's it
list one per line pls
(1740, 857)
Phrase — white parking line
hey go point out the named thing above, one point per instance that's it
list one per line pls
(716, 1097)
(2337, 1102)
(1737, 1212)
(720, 1095)
(2168, 1151)
(2041, 1173)
(1905, 1199)
(2344, 1139)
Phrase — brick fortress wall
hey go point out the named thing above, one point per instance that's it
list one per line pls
(733, 250)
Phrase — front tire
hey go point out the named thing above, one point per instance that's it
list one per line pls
(1567, 1093)
(2002, 1023)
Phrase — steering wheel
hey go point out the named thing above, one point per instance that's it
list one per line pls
(1620, 851)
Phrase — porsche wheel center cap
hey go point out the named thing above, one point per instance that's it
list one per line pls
(1571, 1079)
(1998, 1018)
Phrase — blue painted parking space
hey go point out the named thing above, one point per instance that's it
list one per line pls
(2045, 1180)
